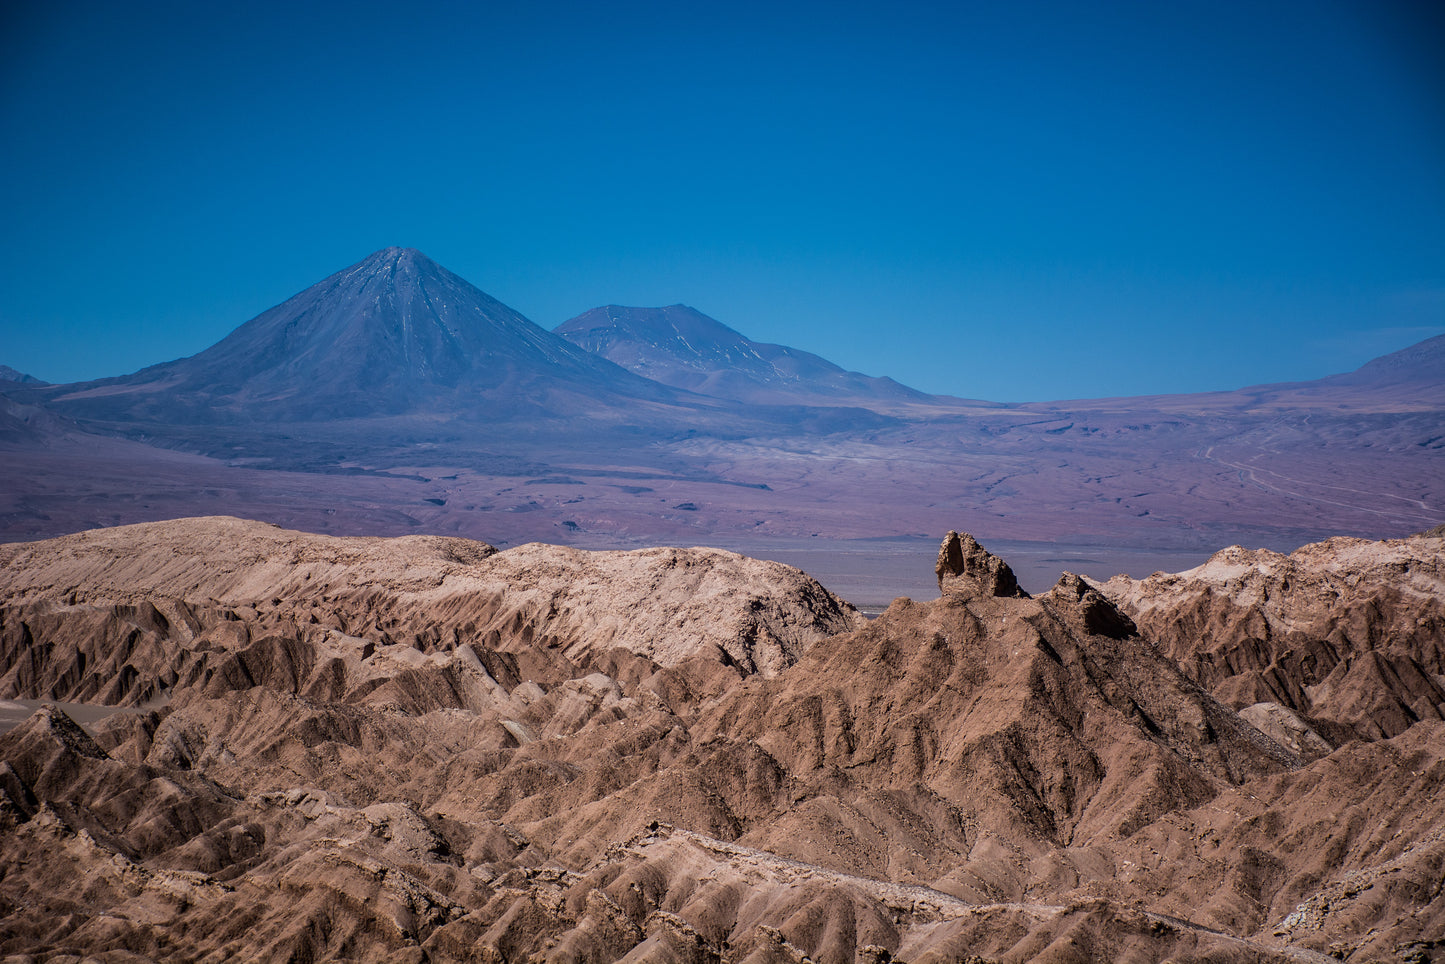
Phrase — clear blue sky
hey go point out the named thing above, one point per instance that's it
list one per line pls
(1013, 201)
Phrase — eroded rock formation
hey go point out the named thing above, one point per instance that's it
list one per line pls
(427, 750)
(967, 568)
(1348, 634)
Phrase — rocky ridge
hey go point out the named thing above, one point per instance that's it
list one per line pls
(1342, 639)
(424, 749)
(177, 599)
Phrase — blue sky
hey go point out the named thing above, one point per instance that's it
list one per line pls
(1018, 201)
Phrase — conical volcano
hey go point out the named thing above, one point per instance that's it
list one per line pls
(393, 334)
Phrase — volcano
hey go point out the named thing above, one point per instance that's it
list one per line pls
(393, 334)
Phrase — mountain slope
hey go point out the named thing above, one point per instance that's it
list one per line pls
(8, 374)
(1409, 380)
(395, 333)
(682, 347)
(25, 425)
(1422, 363)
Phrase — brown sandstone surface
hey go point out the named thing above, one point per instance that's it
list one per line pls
(422, 749)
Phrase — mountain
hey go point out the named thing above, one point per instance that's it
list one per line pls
(393, 334)
(392, 364)
(1422, 364)
(684, 348)
(8, 374)
(1409, 380)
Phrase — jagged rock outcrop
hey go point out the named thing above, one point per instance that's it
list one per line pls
(1347, 633)
(967, 568)
(348, 751)
(1089, 609)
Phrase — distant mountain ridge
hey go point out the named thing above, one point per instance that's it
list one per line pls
(1420, 363)
(682, 347)
(1409, 380)
(394, 396)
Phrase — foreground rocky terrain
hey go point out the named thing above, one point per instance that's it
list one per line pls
(1345, 636)
(426, 749)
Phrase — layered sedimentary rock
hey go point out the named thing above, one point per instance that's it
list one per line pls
(426, 750)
